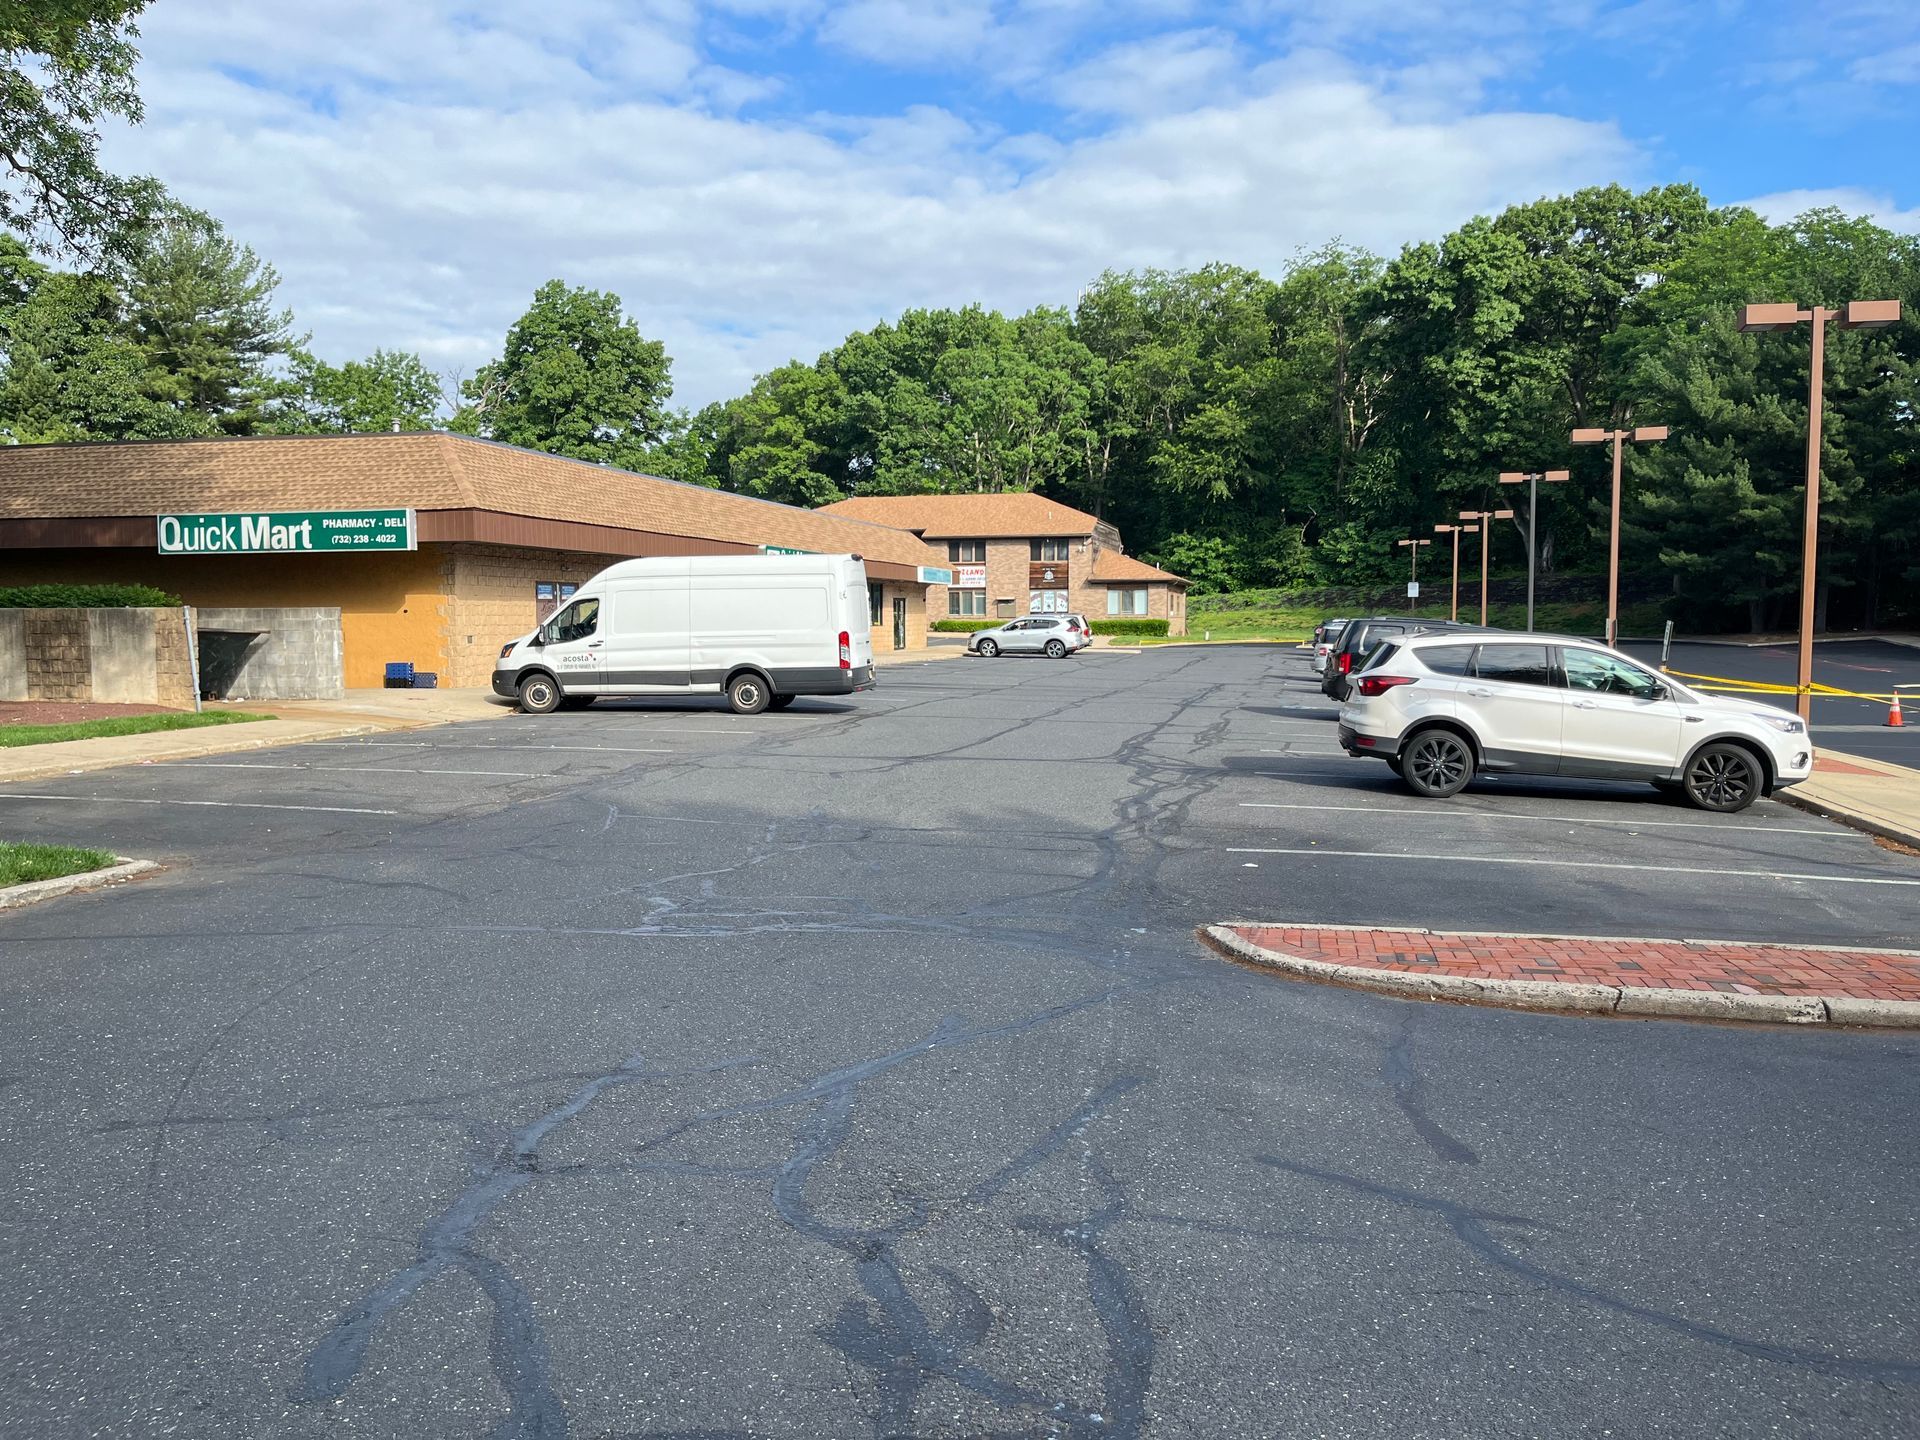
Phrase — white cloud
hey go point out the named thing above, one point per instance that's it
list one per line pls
(414, 175)
(1784, 205)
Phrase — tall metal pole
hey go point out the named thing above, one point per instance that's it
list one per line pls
(1810, 544)
(1453, 611)
(1533, 520)
(1486, 537)
(1613, 547)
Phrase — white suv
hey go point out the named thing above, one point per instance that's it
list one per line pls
(1439, 707)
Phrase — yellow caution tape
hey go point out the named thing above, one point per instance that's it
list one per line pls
(1729, 685)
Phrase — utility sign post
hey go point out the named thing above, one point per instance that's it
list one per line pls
(285, 532)
(1413, 589)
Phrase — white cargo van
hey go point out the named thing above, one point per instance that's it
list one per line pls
(760, 629)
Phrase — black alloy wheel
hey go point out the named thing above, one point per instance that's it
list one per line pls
(1056, 649)
(1436, 763)
(989, 649)
(539, 695)
(1723, 778)
(748, 694)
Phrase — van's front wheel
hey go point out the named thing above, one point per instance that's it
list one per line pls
(748, 694)
(539, 695)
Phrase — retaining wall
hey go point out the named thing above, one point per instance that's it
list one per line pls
(118, 656)
(267, 652)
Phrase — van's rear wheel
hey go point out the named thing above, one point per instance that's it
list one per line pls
(748, 694)
(539, 695)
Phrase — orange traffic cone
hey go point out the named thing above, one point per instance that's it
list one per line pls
(1893, 715)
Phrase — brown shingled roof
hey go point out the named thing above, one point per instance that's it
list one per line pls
(1110, 566)
(424, 471)
(968, 517)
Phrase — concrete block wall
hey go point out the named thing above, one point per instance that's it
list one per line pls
(492, 601)
(135, 656)
(299, 652)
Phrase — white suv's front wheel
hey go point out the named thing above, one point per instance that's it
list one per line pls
(1725, 778)
(1436, 763)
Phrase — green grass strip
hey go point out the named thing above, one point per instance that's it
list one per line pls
(21, 862)
(12, 735)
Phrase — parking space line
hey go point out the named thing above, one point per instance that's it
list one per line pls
(353, 769)
(599, 749)
(214, 804)
(1830, 833)
(1574, 865)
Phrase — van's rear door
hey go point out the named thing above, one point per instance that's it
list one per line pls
(856, 609)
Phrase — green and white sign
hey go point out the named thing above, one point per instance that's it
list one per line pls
(782, 550)
(286, 532)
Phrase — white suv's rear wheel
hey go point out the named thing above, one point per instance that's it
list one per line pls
(1725, 778)
(1436, 763)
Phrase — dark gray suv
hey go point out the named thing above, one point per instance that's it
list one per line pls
(1361, 636)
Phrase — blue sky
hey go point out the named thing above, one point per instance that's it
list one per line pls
(756, 178)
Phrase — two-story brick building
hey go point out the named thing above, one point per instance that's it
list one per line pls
(1020, 554)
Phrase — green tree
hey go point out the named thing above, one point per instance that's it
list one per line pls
(576, 378)
(201, 308)
(389, 390)
(65, 67)
(69, 370)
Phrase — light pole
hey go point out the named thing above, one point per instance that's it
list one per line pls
(1485, 517)
(1456, 531)
(1639, 435)
(1854, 315)
(1533, 479)
(1413, 579)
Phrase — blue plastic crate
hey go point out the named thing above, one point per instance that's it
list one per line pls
(425, 680)
(399, 670)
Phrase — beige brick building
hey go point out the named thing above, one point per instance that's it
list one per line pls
(496, 536)
(1024, 554)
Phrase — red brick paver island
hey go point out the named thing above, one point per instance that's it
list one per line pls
(1596, 975)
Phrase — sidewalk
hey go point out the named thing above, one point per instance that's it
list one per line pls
(1592, 975)
(1872, 795)
(358, 712)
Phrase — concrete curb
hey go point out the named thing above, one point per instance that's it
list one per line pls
(217, 742)
(1828, 808)
(16, 897)
(1570, 998)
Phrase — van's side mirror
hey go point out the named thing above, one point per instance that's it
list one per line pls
(539, 639)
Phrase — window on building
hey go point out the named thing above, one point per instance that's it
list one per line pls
(966, 602)
(1047, 602)
(1048, 549)
(966, 552)
(876, 604)
(1126, 602)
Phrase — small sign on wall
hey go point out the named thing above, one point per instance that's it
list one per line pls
(545, 593)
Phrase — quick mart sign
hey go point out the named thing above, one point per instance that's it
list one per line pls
(286, 532)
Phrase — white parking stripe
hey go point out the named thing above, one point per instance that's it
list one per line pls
(215, 804)
(391, 745)
(1574, 865)
(1832, 832)
(353, 769)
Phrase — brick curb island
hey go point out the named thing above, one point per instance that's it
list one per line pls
(1638, 978)
(32, 892)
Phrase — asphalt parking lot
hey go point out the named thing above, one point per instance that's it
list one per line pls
(1852, 726)
(854, 1070)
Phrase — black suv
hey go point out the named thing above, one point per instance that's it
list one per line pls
(1361, 636)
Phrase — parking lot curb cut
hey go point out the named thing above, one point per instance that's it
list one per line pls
(1574, 998)
(15, 897)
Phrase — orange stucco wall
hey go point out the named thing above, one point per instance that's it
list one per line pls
(392, 607)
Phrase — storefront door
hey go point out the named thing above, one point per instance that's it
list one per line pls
(899, 623)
